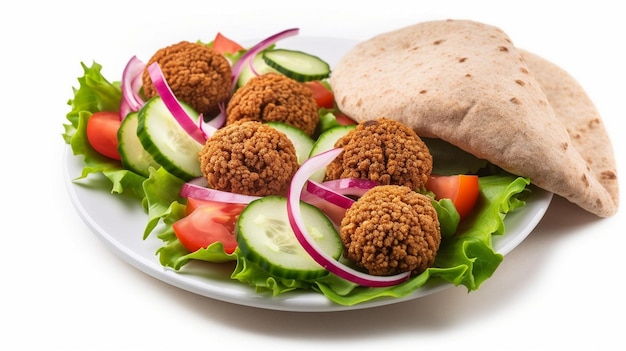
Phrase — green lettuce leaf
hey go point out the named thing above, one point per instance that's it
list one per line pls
(448, 216)
(162, 202)
(95, 93)
(250, 273)
(467, 258)
(175, 255)
(164, 207)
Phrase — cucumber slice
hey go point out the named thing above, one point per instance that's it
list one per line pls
(166, 141)
(297, 65)
(265, 237)
(325, 142)
(134, 156)
(260, 67)
(300, 140)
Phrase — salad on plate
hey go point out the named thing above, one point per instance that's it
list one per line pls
(144, 134)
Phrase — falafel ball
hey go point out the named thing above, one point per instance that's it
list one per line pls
(391, 229)
(196, 73)
(248, 158)
(274, 97)
(385, 151)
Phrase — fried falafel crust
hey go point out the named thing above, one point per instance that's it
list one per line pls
(391, 229)
(385, 151)
(248, 158)
(196, 73)
(273, 97)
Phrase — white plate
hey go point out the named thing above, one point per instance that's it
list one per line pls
(119, 222)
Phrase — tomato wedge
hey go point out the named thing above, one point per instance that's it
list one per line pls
(462, 190)
(193, 204)
(324, 97)
(223, 45)
(102, 133)
(343, 119)
(208, 222)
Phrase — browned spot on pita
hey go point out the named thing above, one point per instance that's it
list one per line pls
(520, 82)
(564, 146)
(468, 75)
(523, 70)
(608, 175)
(423, 91)
(515, 101)
(437, 42)
(585, 180)
(462, 59)
(503, 49)
(594, 122)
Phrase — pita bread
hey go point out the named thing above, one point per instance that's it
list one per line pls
(465, 82)
(579, 116)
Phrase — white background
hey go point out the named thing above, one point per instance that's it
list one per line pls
(63, 289)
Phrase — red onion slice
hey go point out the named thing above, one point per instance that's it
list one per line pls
(301, 177)
(350, 186)
(328, 194)
(130, 86)
(197, 189)
(246, 58)
(173, 105)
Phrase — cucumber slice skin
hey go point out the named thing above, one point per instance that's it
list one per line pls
(326, 141)
(297, 65)
(134, 156)
(167, 142)
(300, 140)
(265, 238)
